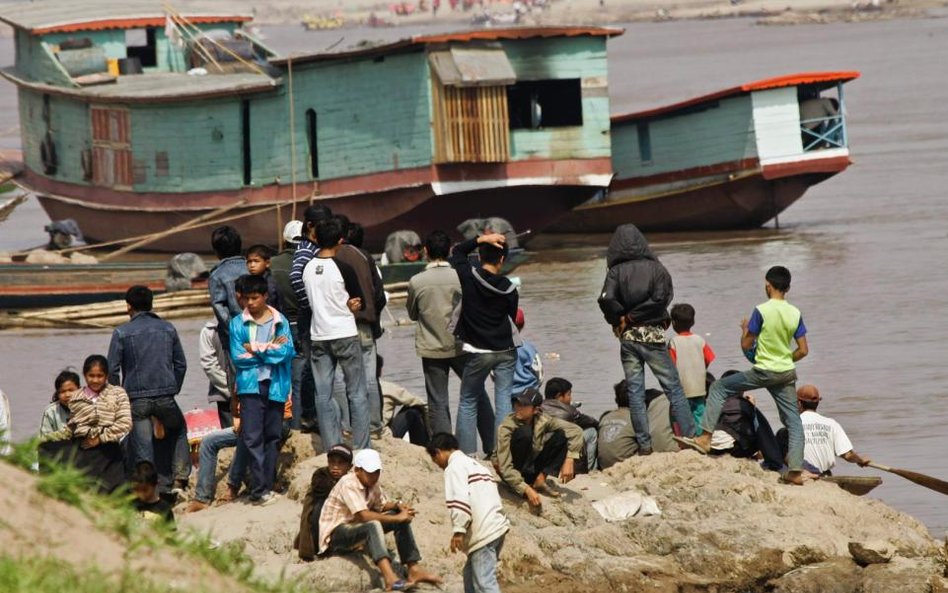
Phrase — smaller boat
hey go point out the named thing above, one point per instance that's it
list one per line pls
(403, 271)
(857, 485)
(8, 206)
(733, 159)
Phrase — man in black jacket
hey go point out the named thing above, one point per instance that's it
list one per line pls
(486, 329)
(634, 301)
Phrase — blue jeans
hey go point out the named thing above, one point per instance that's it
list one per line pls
(347, 353)
(635, 356)
(782, 387)
(171, 455)
(370, 365)
(349, 536)
(480, 570)
(261, 425)
(211, 445)
(474, 407)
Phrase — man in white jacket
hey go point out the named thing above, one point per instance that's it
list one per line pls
(477, 517)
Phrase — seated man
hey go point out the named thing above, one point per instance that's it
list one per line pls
(411, 418)
(324, 479)
(356, 514)
(744, 432)
(559, 404)
(616, 440)
(825, 438)
(532, 445)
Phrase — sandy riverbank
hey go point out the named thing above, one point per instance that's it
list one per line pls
(726, 525)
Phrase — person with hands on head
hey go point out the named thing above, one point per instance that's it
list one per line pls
(477, 517)
(532, 445)
(357, 515)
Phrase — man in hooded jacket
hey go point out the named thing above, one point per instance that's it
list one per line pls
(485, 327)
(634, 301)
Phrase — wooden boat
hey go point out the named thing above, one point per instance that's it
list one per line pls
(857, 485)
(402, 272)
(733, 159)
(422, 133)
(8, 206)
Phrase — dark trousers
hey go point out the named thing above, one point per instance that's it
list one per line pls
(224, 415)
(171, 455)
(261, 425)
(307, 388)
(104, 465)
(436, 371)
(410, 421)
(547, 462)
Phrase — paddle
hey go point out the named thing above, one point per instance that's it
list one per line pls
(920, 479)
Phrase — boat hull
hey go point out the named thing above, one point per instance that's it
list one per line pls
(531, 195)
(743, 203)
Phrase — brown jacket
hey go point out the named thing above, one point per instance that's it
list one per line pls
(321, 485)
(543, 427)
(108, 417)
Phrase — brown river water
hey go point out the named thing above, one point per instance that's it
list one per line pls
(864, 247)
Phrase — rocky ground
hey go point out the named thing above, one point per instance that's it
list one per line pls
(726, 525)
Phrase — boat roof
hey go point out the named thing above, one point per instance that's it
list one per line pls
(420, 41)
(820, 80)
(157, 87)
(41, 17)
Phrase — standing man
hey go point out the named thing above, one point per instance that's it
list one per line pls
(432, 297)
(305, 251)
(280, 267)
(486, 328)
(226, 242)
(332, 289)
(634, 301)
(146, 354)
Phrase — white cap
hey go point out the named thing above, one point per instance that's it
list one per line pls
(293, 232)
(368, 459)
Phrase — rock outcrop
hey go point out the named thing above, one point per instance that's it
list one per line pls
(726, 525)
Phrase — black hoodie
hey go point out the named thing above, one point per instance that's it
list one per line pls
(637, 285)
(488, 304)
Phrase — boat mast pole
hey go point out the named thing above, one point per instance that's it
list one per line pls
(289, 67)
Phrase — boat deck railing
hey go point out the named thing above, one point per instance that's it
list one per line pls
(823, 132)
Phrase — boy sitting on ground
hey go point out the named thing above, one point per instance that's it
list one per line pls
(148, 503)
(356, 514)
(477, 517)
(559, 404)
(339, 460)
(532, 445)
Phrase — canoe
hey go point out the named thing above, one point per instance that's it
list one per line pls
(858, 485)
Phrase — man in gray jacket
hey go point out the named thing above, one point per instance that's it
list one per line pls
(432, 297)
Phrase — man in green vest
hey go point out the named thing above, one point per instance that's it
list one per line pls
(767, 339)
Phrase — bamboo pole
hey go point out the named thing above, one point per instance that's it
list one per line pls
(175, 15)
(173, 230)
(160, 302)
(396, 286)
(289, 67)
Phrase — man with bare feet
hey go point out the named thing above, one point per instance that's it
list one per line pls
(532, 445)
(356, 514)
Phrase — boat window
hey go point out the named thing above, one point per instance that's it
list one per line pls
(645, 141)
(141, 44)
(311, 139)
(470, 124)
(245, 135)
(535, 104)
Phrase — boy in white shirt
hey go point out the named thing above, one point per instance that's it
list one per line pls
(477, 517)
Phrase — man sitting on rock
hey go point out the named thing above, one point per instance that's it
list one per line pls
(558, 403)
(356, 515)
(825, 439)
(532, 445)
(616, 440)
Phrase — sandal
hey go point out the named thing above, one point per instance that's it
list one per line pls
(402, 585)
(691, 444)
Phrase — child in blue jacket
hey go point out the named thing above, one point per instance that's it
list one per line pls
(261, 349)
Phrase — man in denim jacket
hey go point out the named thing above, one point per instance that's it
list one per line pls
(226, 242)
(146, 353)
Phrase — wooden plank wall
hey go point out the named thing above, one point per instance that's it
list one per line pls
(471, 125)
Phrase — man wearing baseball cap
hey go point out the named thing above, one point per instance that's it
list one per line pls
(280, 266)
(532, 445)
(356, 514)
(825, 438)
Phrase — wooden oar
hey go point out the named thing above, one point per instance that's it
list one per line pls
(920, 479)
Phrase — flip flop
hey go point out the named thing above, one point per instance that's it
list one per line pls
(691, 444)
(402, 585)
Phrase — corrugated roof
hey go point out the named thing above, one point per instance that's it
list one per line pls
(55, 16)
(160, 87)
(419, 41)
(824, 79)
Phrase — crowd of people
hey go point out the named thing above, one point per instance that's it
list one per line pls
(285, 323)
